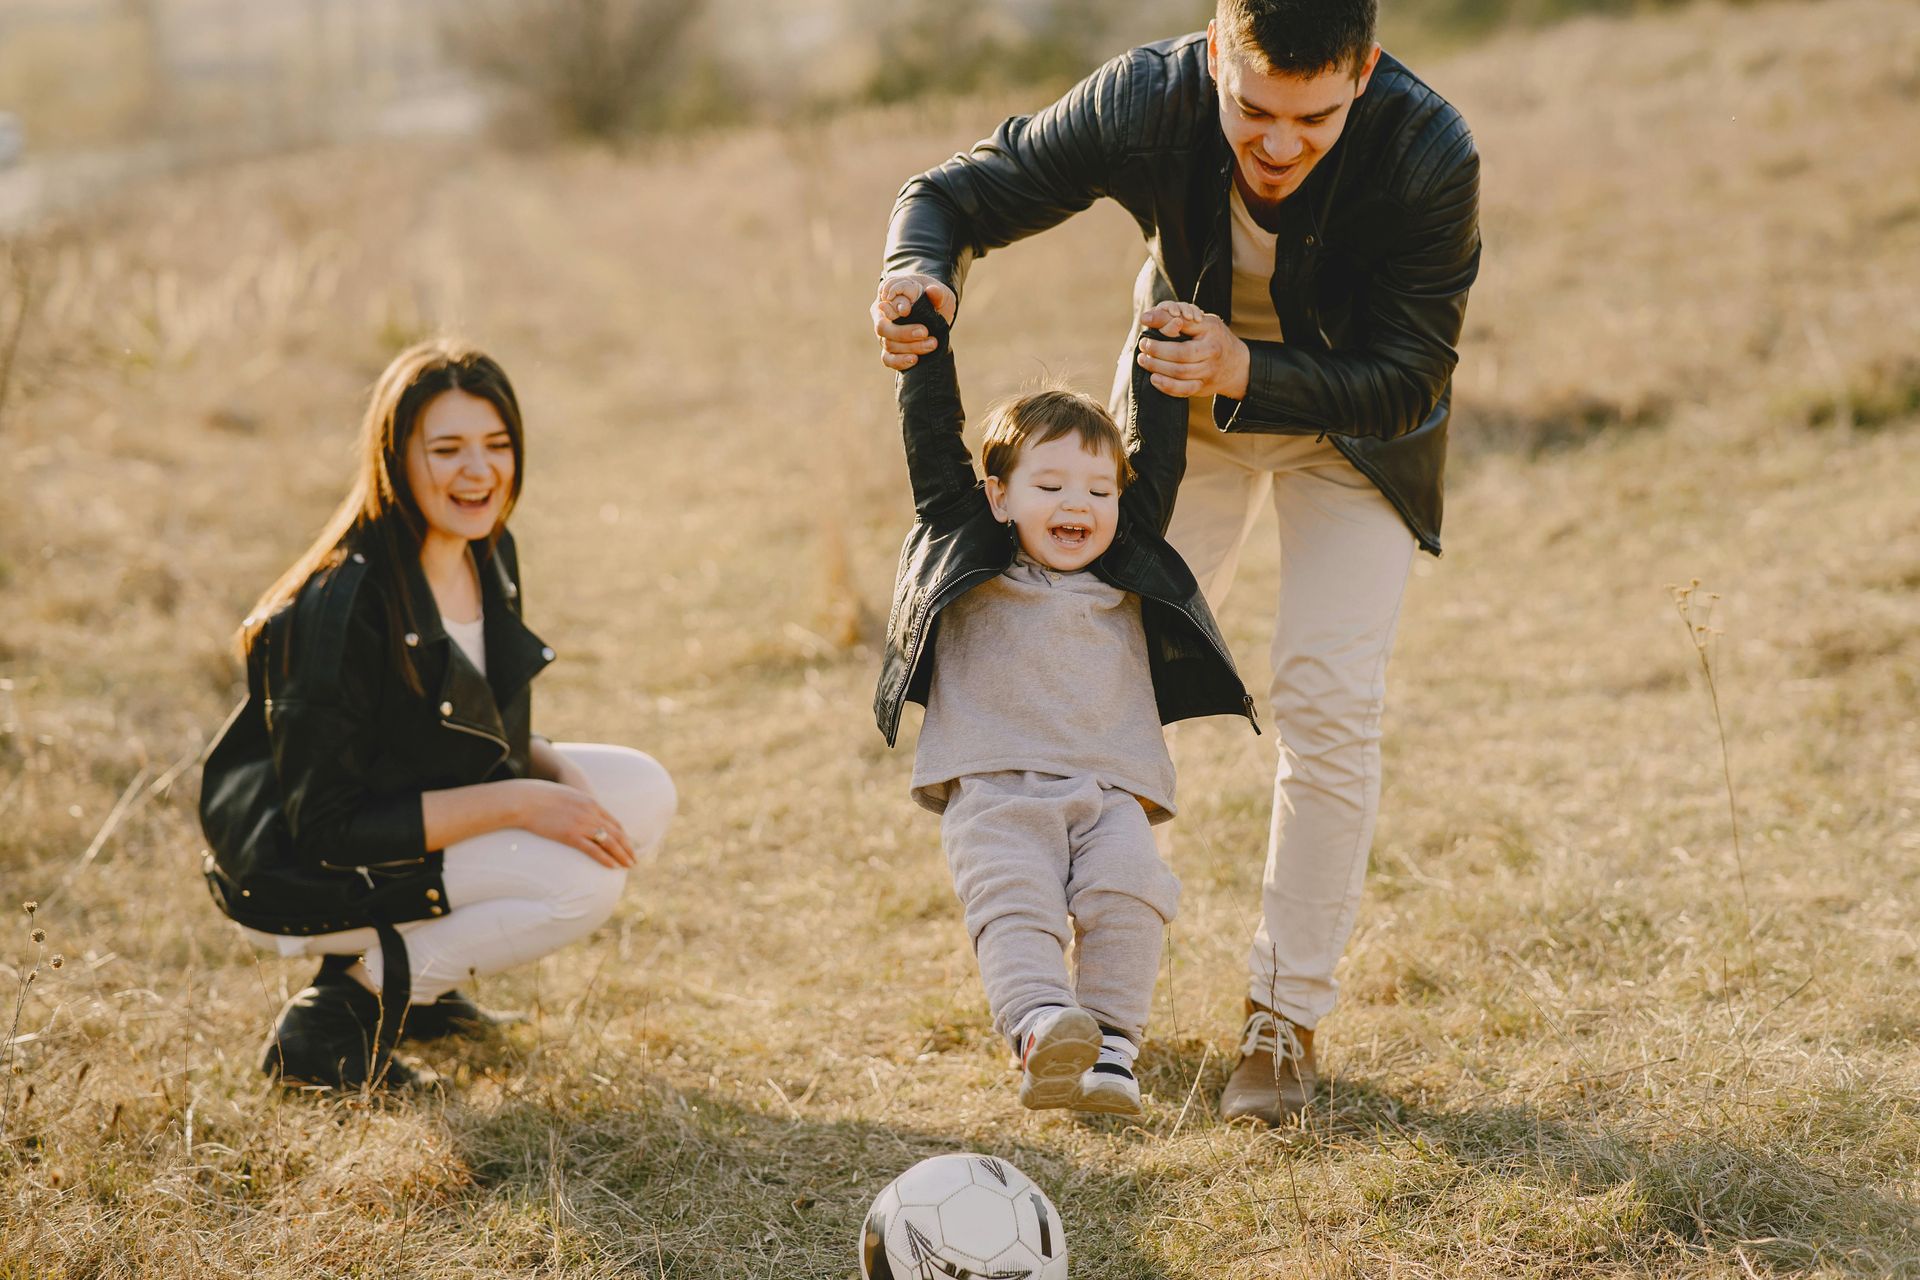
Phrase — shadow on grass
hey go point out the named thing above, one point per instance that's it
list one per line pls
(1625, 1192)
(1584, 1187)
(685, 1183)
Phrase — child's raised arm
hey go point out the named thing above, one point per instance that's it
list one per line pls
(931, 419)
(1157, 429)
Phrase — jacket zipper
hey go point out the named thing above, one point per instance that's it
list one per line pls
(920, 643)
(365, 870)
(1246, 699)
(499, 742)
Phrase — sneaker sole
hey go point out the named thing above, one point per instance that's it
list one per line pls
(1109, 1102)
(1053, 1070)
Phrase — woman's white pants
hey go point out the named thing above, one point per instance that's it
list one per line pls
(513, 896)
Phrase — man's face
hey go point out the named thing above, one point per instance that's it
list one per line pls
(1279, 126)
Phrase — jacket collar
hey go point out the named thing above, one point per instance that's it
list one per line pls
(515, 655)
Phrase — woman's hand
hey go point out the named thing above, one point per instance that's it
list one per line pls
(1212, 362)
(571, 816)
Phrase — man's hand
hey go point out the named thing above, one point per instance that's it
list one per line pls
(1212, 362)
(902, 345)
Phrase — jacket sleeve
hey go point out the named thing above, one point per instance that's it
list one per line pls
(1034, 172)
(1415, 308)
(324, 737)
(1157, 439)
(931, 421)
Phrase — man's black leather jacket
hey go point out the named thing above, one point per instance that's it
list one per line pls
(310, 799)
(1375, 253)
(956, 544)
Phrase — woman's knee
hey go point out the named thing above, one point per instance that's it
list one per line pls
(631, 785)
(587, 891)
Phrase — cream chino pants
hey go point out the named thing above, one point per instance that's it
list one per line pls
(1344, 558)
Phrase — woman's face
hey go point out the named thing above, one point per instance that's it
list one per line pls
(460, 466)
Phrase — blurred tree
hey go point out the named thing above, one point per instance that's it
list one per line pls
(593, 68)
(935, 47)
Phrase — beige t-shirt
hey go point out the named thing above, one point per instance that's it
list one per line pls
(1043, 672)
(1254, 318)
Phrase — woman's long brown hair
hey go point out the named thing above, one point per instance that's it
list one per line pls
(380, 507)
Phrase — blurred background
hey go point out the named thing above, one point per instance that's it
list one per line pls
(94, 90)
(1633, 990)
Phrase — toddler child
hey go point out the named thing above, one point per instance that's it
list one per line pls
(1068, 631)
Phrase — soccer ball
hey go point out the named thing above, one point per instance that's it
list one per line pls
(963, 1217)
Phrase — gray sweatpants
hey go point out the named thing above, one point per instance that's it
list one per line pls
(1040, 861)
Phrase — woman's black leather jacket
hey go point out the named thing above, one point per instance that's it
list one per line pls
(956, 544)
(310, 800)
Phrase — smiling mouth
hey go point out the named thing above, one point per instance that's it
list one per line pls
(471, 502)
(1070, 535)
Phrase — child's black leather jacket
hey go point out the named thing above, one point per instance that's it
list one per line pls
(956, 544)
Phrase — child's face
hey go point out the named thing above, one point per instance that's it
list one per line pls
(1063, 499)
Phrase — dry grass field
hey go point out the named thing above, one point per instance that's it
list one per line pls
(1579, 1038)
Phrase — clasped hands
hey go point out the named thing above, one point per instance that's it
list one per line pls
(1213, 361)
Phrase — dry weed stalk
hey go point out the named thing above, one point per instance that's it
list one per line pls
(22, 280)
(8, 1066)
(1696, 614)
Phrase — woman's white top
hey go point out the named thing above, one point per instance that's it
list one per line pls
(471, 637)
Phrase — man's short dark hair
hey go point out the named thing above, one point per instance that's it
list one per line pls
(1300, 37)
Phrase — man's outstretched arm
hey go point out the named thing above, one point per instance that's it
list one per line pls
(1033, 173)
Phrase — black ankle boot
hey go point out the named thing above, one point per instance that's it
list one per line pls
(326, 1035)
(453, 1014)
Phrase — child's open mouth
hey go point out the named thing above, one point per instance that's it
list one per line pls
(472, 502)
(1070, 535)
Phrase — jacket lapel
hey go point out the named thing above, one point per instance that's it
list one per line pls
(515, 655)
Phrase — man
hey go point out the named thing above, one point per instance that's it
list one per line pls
(1312, 192)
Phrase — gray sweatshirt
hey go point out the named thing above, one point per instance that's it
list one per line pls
(1043, 672)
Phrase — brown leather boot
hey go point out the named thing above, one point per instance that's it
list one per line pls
(1275, 1077)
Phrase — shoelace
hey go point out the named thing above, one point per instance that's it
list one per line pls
(1265, 1031)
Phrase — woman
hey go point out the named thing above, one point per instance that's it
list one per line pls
(379, 799)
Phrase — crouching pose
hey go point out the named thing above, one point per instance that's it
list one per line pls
(379, 799)
(1068, 631)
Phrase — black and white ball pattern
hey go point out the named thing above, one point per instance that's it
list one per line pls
(963, 1217)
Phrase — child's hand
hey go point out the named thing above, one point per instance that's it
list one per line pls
(1175, 318)
(902, 345)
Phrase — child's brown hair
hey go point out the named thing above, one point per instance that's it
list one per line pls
(1041, 416)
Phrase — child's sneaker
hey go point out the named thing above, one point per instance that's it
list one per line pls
(1057, 1046)
(1108, 1087)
